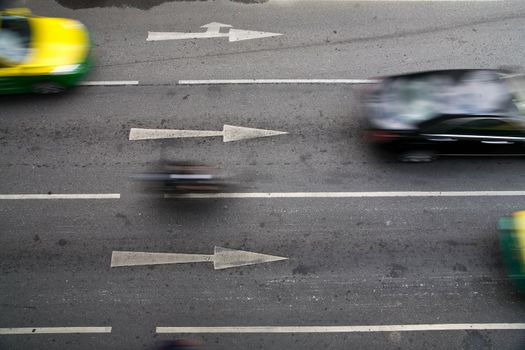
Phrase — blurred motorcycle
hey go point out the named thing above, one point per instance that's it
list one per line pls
(182, 178)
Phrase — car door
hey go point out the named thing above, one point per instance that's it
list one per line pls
(444, 135)
(501, 136)
(9, 78)
(484, 135)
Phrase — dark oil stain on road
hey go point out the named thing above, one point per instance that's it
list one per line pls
(459, 267)
(123, 217)
(474, 340)
(139, 4)
(396, 271)
(301, 270)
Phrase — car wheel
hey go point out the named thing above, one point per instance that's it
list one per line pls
(48, 87)
(417, 157)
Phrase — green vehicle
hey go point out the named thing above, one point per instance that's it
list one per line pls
(512, 245)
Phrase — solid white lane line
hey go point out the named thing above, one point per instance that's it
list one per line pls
(350, 194)
(62, 196)
(346, 329)
(54, 330)
(110, 83)
(276, 81)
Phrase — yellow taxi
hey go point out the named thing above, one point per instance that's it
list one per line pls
(41, 54)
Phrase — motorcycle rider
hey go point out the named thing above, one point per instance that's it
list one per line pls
(182, 177)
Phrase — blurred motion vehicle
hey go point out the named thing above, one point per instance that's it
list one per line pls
(180, 344)
(420, 116)
(41, 54)
(512, 245)
(182, 178)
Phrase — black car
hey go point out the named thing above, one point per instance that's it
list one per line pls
(423, 115)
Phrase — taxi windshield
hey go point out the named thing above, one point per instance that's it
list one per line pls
(14, 38)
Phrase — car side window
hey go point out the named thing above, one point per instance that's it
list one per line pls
(447, 126)
(489, 127)
(14, 38)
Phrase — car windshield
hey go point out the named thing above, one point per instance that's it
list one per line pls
(410, 100)
(14, 38)
(516, 83)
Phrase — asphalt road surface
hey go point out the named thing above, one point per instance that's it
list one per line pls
(389, 259)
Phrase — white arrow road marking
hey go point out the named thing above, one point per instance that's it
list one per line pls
(214, 27)
(222, 258)
(239, 34)
(54, 330)
(62, 196)
(229, 133)
(236, 133)
(212, 31)
(156, 36)
(153, 134)
(347, 329)
(271, 195)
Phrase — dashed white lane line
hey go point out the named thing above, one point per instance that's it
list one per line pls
(276, 81)
(350, 194)
(110, 83)
(62, 196)
(347, 329)
(54, 330)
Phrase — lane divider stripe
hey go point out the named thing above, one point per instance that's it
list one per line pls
(232, 81)
(279, 195)
(109, 83)
(276, 81)
(62, 196)
(346, 329)
(349, 194)
(54, 330)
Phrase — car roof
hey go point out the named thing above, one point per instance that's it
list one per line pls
(411, 99)
(468, 117)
